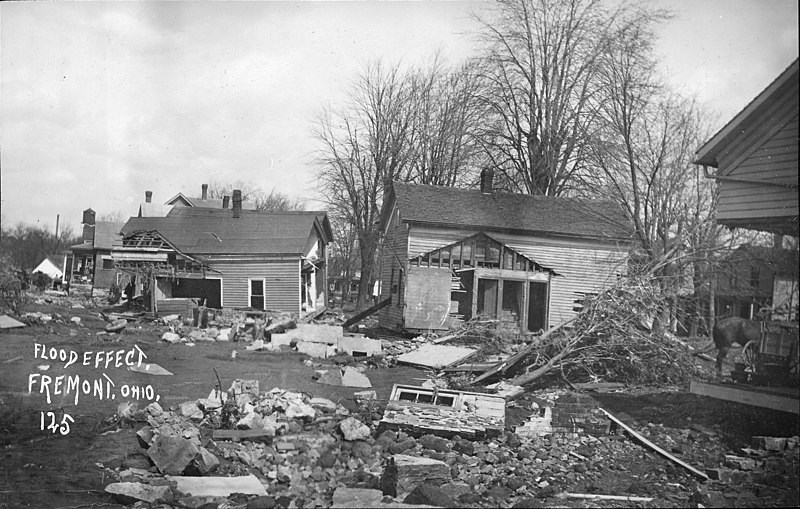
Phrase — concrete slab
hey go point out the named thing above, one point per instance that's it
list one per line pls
(219, 486)
(6, 322)
(318, 350)
(353, 378)
(311, 332)
(360, 346)
(436, 356)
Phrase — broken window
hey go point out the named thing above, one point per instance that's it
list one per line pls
(257, 293)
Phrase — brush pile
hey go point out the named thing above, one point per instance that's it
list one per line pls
(614, 338)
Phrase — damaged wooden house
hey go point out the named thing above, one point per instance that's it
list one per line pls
(455, 254)
(89, 268)
(230, 258)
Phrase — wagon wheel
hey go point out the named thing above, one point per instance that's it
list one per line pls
(749, 356)
(794, 360)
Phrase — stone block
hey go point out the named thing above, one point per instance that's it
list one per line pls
(739, 462)
(171, 455)
(131, 492)
(250, 421)
(769, 443)
(236, 435)
(206, 462)
(191, 410)
(317, 350)
(404, 473)
(353, 429)
(720, 474)
(171, 337)
(359, 346)
(356, 497)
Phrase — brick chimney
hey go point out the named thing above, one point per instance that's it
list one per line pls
(205, 191)
(225, 201)
(487, 176)
(237, 203)
(148, 196)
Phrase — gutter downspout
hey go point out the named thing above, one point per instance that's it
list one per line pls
(746, 181)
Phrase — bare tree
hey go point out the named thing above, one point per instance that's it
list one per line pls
(540, 67)
(364, 147)
(116, 216)
(272, 201)
(343, 253)
(25, 246)
(447, 120)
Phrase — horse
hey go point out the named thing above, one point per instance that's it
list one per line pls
(730, 331)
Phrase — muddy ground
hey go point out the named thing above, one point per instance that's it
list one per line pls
(40, 468)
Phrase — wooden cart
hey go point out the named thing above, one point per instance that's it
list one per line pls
(773, 359)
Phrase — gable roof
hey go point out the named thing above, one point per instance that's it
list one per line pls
(149, 209)
(105, 233)
(466, 208)
(209, 203)
(749, 117)
(203, 231)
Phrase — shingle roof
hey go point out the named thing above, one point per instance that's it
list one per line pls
(105, 233)
(202, 231)
(448, 206)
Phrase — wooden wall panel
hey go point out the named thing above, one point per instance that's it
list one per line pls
(393, 257)
(282, 282)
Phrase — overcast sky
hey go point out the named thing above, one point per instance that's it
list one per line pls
(102, 101)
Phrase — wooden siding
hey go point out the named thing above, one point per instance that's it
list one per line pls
(394, 256)
(585, 266)
(281, 282)
(775, 159)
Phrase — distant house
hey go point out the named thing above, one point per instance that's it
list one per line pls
(53, 267)
(90, 268)
(231, 258)
(150, 209)
(752, 279)
(524, 260)
(755, 156)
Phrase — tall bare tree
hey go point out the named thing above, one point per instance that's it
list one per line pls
(444, 143)
(364, 147)
(264, 201)
(541, 60)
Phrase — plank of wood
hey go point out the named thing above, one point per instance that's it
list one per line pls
(360, 316)
(598, 386)
(781, 402)
(595, 496)
(254, 435)
(503, 366)
(656, 448)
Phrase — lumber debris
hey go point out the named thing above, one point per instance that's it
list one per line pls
(367, 312)
(595, 496)
(656, 448)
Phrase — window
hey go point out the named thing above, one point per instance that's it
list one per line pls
(108, 263)
(257, 293)
(400, 288)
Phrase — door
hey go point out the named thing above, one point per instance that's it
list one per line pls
(487, 297)
(537, 306)
(427, 297)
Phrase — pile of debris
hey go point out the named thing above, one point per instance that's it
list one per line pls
(244, 448)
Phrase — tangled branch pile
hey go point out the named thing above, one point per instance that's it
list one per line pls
(613, 339)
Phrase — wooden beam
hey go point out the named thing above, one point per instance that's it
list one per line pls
(656, 448)
(360, 316)
(748, 396)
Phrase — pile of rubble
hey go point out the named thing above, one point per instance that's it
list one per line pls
(244, 448)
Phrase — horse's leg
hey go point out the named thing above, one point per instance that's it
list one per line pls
(721, 354)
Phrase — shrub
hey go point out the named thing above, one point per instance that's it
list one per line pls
(41, 281)
(114, 293)
(12, 281)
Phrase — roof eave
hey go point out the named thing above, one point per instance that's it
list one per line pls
(707, 154)
(523, 231)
